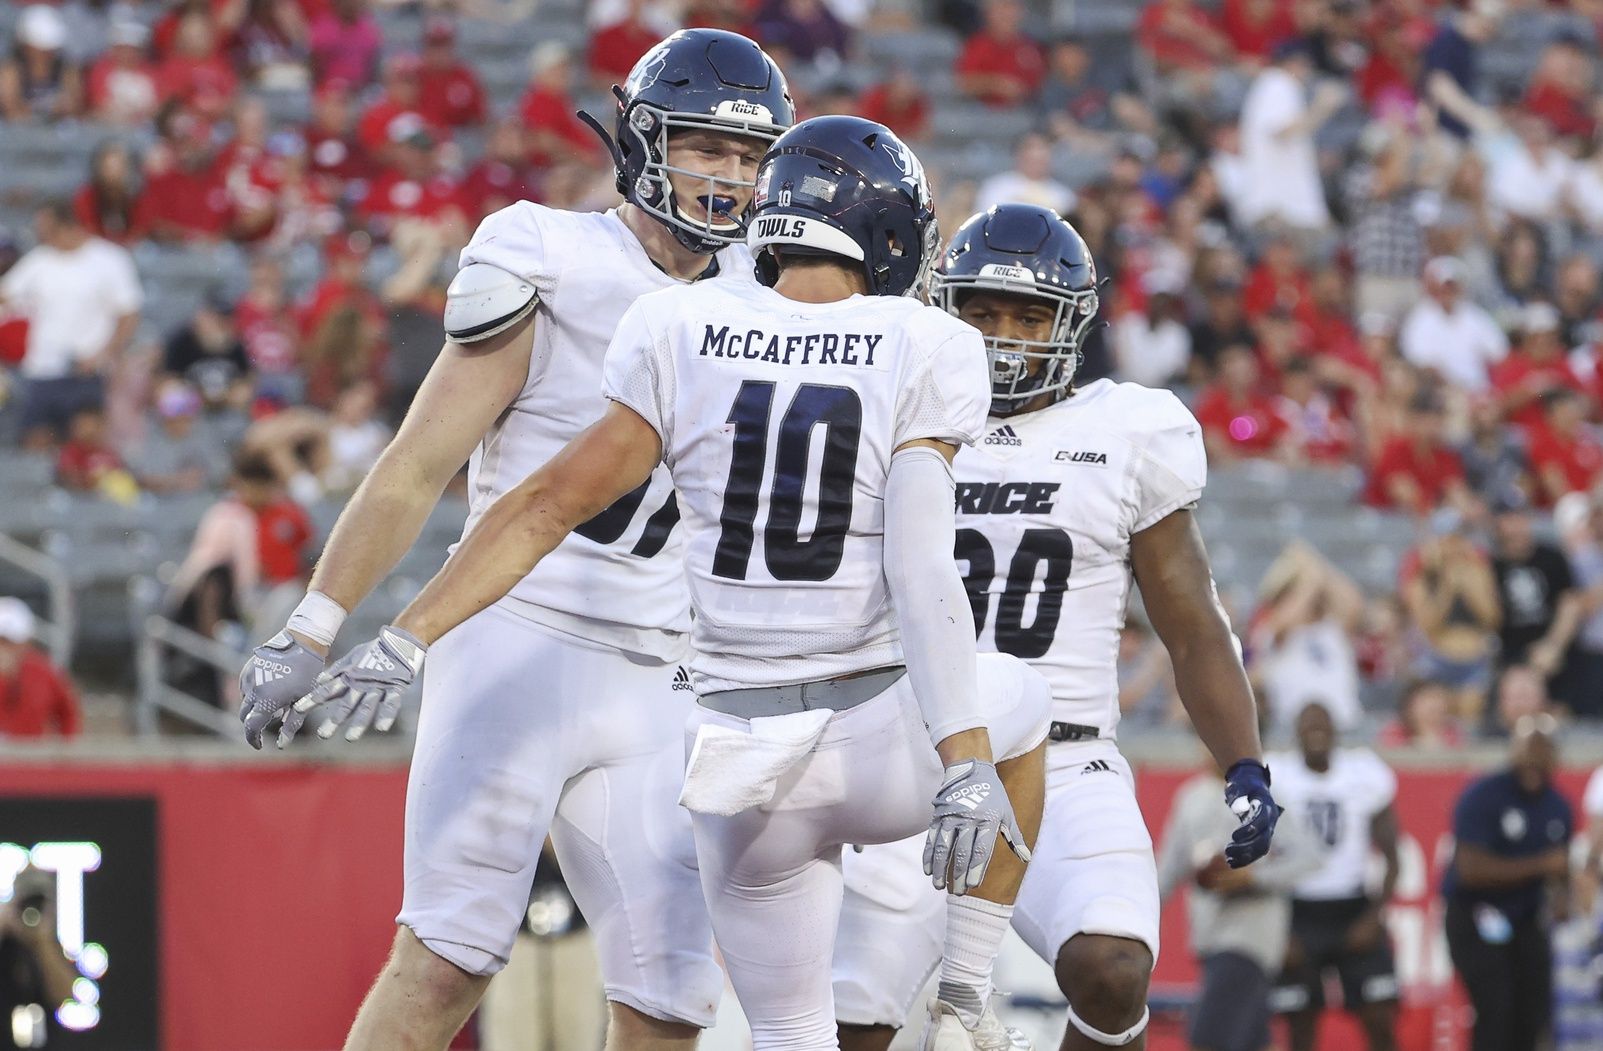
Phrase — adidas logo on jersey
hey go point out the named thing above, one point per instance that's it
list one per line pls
(1094, 459)
(681, 679)
(1004, 435)
(1006, 498)
(1096, 766)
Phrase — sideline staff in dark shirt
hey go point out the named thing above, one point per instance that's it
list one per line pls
(1513, 832)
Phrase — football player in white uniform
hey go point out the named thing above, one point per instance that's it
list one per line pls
(1344, 796)
(1070, 492)
(561, 708)
(808, 425)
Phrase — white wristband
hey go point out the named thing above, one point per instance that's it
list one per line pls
(318, 618)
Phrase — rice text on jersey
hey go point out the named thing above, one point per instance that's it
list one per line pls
(1006, 498)
(815, 348)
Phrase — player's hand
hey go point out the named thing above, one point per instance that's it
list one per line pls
(365, 687)
(1219, 878)
(1247, 793)
(278, 674)
(971, 810)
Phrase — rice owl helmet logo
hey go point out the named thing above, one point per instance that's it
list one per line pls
(912, 170)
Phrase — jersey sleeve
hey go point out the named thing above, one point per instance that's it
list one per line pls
(1171, 466)
(947, 394)
(514, 239)
(633, 373)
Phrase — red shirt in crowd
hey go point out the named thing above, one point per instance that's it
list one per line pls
(36, 697)
(1257, 37)
(118, 87)
(282, 532)
(1170, 34)
(908, 118)
(395, 196)
(124, 232)
(1252, 425)
(187, 204)
(333, 157)
(81, 466)
(492, 185)
(452, 97)
(387, 121)
(1563, 112)
(207, 84)
(1579, 458)
(615, 49)
(1320, 429)
(1019, 58)
(1511, 375)
(1267, 289)
(552, 112)
(269, 335)
(1431, 470)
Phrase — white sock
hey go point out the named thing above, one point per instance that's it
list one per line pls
(974, 932)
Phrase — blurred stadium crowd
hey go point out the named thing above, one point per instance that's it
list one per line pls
(1362, 239)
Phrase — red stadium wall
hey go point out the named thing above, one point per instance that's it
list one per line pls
(278, 886)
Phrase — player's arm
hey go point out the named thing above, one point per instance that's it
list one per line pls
(927, 590)
(605, 462)
(972, 808)
(1370, 927)
(468, 387)
(466, 390)
(1171, 568)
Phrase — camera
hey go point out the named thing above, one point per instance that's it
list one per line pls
(31, 894)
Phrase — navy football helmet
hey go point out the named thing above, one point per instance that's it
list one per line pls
(1024, 250)
(695, 79)
(845, 186)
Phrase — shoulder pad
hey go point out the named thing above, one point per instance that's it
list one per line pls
(483, 300)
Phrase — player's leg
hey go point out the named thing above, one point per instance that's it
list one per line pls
(892, 925)
(627, 850)
(480, 797)
(1299, 994)
(1370, 990)
(773, 891)
(1017, 704)
(419, 1001)
(1232, 1008)
(1089, 905)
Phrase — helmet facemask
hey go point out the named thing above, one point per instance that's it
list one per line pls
(1013, 385)
(649, 127)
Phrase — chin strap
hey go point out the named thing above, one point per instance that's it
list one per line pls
(607, 140)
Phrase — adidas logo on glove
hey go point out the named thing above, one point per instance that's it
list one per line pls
(971, 796)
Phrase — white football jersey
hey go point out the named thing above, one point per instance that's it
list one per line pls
(619, 578)
(1337, 806)
(1047, 502)
(778, 420)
